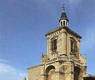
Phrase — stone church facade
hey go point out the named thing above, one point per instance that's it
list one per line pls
(63, 60)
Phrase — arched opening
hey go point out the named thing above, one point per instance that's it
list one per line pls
(73, 45)
(50, 73)
(61, 23)
(54, 44)
(76, 73)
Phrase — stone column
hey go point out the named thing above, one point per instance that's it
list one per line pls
(69, 73)
(49, 48)
(64, 42)
(48, 45)
(57, 72)
(78, 48)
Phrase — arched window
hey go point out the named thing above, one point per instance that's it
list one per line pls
(73, 45)
(61, 23)
(50, 73)
(76, 73)
(64, 23)
(54, 45)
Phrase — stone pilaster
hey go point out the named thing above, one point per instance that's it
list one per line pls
(42, 73)
(69, 73)
(64, 43)
(57, 72)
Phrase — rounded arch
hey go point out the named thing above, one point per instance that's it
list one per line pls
(73, 44)
(49, 68)
(50, 72)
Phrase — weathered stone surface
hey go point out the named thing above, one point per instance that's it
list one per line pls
(65, 63)
(34, 73)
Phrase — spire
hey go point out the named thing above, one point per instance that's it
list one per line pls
(63, 16)
(63, 19)
(24, 78)
(42, 54)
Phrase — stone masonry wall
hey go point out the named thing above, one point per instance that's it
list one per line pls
(34, 73)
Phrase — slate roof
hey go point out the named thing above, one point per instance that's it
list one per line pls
(63, 16)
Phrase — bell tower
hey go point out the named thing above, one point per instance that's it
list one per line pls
(63, 60)
(62, 41)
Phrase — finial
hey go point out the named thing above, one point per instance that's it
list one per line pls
(63, 7)
(42, 54)
(85, 55)
(63, 19)
(63, 15)
(85, 58)
(24, 78)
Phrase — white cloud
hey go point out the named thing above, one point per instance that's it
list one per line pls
(4, 61)
(8, 72)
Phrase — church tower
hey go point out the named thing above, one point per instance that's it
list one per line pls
(63, 60)
(62, 41)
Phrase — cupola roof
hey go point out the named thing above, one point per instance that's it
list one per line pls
(63, 16)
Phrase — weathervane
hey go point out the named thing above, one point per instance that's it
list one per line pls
(63, 7)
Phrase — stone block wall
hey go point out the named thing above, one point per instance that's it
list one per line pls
(34, 73)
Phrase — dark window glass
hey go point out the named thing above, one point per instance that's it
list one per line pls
(73, 46)
(64, 23)
(61, 24)
(54, 45)
(76, 73)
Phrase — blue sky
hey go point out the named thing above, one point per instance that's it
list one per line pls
(23, 24)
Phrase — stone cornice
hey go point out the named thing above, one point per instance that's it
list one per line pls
(67, 29)
(35, 66)
(59, 72)
(64, 59)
